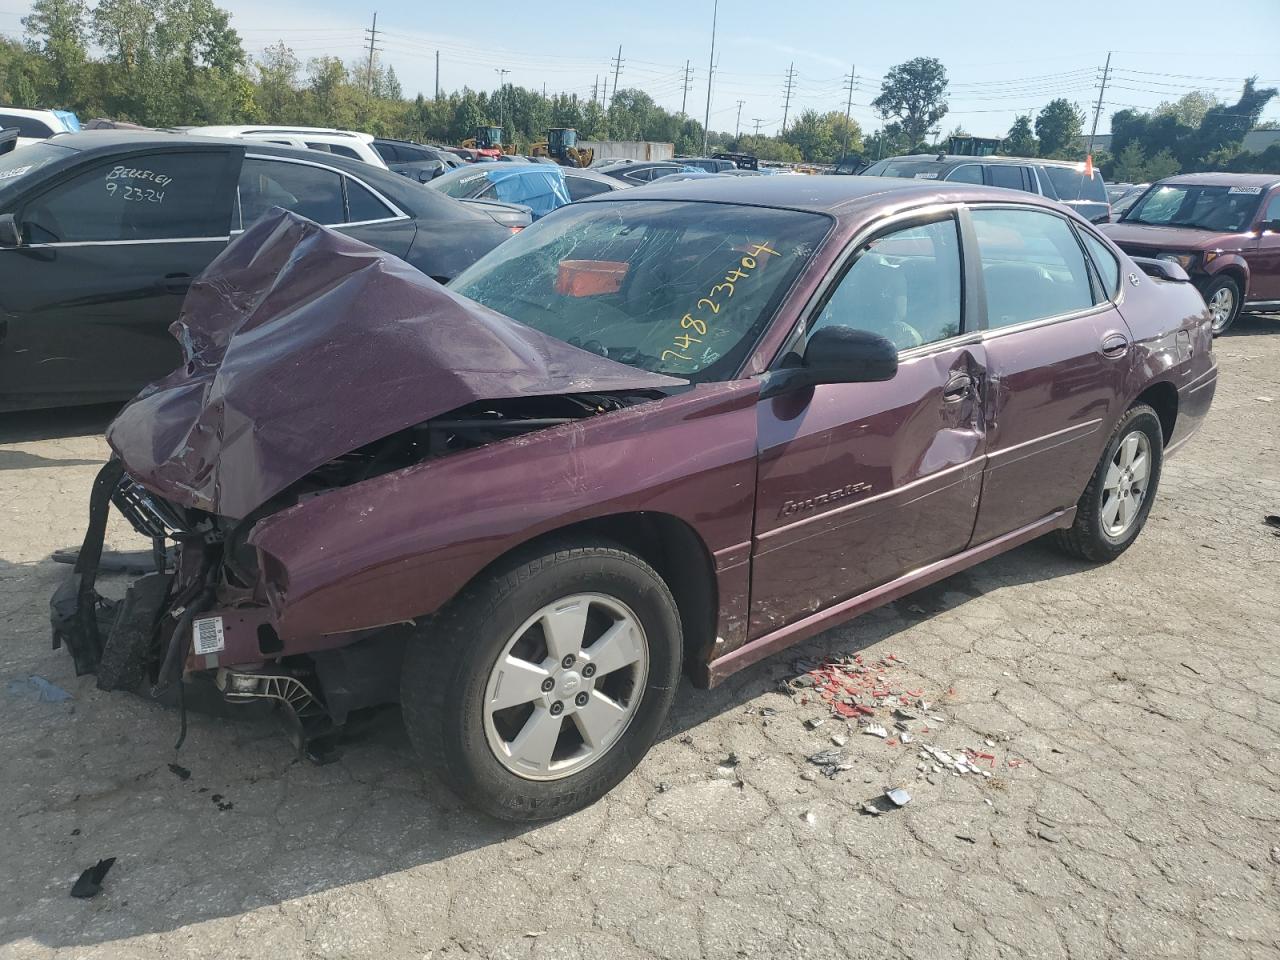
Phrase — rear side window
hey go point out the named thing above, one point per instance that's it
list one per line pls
(308, 191)
(1106, 262)
(363, 205)
(1072, 184)
(1273, 210)
(344, 151)
(161, 196)
(580, 187)
(1032, 266)
(966, 173)
(1006, 175)
(387, 151)
(27, 126)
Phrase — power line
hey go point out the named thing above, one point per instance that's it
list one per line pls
(757, 121)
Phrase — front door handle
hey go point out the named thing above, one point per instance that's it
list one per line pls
(957, 387)
(1115, 345)
(175, 282)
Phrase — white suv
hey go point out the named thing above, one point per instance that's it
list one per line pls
(36, 125)
(345, 143)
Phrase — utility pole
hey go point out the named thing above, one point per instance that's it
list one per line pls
(711, 69)
(617, 68)
(738, 123)
(1106, 75)
(502, 82)
(757, 121)
(786, 106)
(848, 105)
(373, 36)
(437, 74)
(594, 86)
(684, 97)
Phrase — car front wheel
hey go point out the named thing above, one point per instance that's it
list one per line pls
(1223, 297)
(1114, 507)
(546, 682)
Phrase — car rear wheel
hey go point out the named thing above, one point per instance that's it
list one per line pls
(1223, 297)
(546, 682)
(1115, 504)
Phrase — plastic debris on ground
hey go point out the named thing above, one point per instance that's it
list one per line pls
(38, 688)
(890, 800)
(89, 883)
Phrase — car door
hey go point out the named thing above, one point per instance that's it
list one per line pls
(860, 483)
(1264, 265)
(1058, 353)
(109, 251)
(324, 194)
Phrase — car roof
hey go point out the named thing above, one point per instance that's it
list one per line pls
(964, 158)
(1218, 179)
(595, 176)
(28, 112)
(837, 196)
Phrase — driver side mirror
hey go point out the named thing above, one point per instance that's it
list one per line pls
(836, 355)
(430, 170)
(10, 232)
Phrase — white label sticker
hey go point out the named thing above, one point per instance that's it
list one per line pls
(207, 635)
(926, 176)
(1251, 191)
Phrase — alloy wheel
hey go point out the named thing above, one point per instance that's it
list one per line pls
(1221, 305)
(565, 686)
(1124, 487)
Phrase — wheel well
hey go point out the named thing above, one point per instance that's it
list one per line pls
(1162, 397)
(1236, 274)
(676, 552)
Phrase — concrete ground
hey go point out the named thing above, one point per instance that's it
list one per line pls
(1130, 715)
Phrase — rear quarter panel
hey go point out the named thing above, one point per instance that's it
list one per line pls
(399, 546)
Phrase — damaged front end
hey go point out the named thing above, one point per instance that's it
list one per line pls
(312, 363)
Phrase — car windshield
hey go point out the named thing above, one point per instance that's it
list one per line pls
(1072, 184)
(1197, 206)
(910, 169)
(679, 288)
(461, 182)
(18, 163)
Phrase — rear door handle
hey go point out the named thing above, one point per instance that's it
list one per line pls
(1115, 345)
(175, 282)
(957, 387)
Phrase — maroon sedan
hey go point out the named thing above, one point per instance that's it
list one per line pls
(677, 428)
(1222, 228)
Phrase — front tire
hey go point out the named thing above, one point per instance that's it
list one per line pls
(1114, 506)
(546, 682)
(1223, 297)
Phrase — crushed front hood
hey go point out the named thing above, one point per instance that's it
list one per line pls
(301, 344)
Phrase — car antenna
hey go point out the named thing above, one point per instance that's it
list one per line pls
(942, 155)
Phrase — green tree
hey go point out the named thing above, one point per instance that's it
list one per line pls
(1130, 165)
(1189, 109)
(1057, 125)
(1021, 141)
(914, 94)
(277, 98)
(58, 30)
(1163, 164)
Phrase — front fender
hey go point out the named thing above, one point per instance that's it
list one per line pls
(399, 546)
(1232, 263)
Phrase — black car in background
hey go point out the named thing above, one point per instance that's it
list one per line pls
(415, 160)
(633, 172)
(1056, 179)
(102, 232)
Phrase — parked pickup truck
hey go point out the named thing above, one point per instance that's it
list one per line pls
(1222, 228)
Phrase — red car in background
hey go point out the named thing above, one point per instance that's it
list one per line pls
(1222, 228)
(678, 427)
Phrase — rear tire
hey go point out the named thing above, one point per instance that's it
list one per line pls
(1223, 297)
(501, 662)
(1114, 506)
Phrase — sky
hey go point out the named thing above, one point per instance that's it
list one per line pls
(997, 69)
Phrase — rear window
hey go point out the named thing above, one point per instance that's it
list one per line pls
(461, 183)
(19, 163)
(27, 126)
(910, 169)
(678, 288)
(1071, 184)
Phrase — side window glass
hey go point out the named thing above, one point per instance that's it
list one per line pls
(343, 151)
(1106, 262)
(387, 151)
(363, 205)
(1032, 266)
(966, 173)
(154, 197)
(1273, 210)
(1005, 175)
(904, 286)
(308, 191)
(580, 187)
